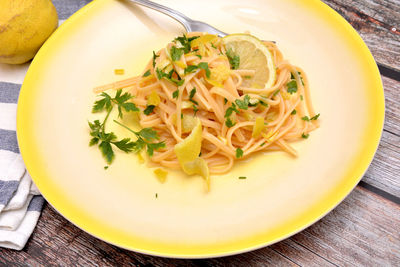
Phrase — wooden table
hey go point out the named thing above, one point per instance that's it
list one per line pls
(363, 230)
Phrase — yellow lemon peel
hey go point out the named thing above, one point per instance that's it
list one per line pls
(188, 152)
(258, 127)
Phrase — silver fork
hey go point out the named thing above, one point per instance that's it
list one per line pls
(189, 24)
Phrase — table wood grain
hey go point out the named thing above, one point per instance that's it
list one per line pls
(364, 230)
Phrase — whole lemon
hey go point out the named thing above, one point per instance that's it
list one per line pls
(24, 26)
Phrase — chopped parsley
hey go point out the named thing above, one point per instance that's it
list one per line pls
(293, 112)
(161, 74)
(234, 60)
(275, 92)
(175, 94)
(191, 69)
(231, 109)
(242, 177)
(204, 66)
(105, 167)
(301, 97)
(225, 101)
(262, 144)
(239, 152)
(229, 123)
(292, 87)
(176, 53)
(305, 118)
(243, 104)
(191, 95)
(315, 117)
(149, 109)
(147, 73)
(305, 136)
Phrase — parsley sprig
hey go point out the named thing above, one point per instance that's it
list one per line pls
(97, 129)
(144, 139)
(107, 140)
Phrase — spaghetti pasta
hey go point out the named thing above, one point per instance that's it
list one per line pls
(194, 78)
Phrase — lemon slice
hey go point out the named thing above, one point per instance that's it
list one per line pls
(254, 55)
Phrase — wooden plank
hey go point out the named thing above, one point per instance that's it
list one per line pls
(378, 23)
(392, 105)
(384, 170)
(363, 230)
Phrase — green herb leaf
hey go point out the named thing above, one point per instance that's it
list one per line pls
(242, 177)
(293, 112)
(275, 92)
(148, 134)
(239, 152)
(175, 94)
(234, 60)
(243, 104)
(94, 141)
(315, 117)
(104, 103)
(263, 103)
(292, 87)
(125, 145)
(147, 73)
(149, 109)
(176, 53)
(231, 109)
(190, 69)
(305, 118)
(204, 66)
(199, 56)
(154, 59)
(229, 123)
(107, 151)
(305, 136)
(185, 42)
(154, 146)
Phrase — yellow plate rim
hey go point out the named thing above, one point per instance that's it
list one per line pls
(315, 213)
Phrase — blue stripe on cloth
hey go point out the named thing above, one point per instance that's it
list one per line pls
(66, 8)
(36, 204)
(8, 140)
(7, 191)
(9, 92)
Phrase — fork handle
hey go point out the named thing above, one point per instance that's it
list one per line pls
(181, 18)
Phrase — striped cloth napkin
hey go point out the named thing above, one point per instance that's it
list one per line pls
(20, 200)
